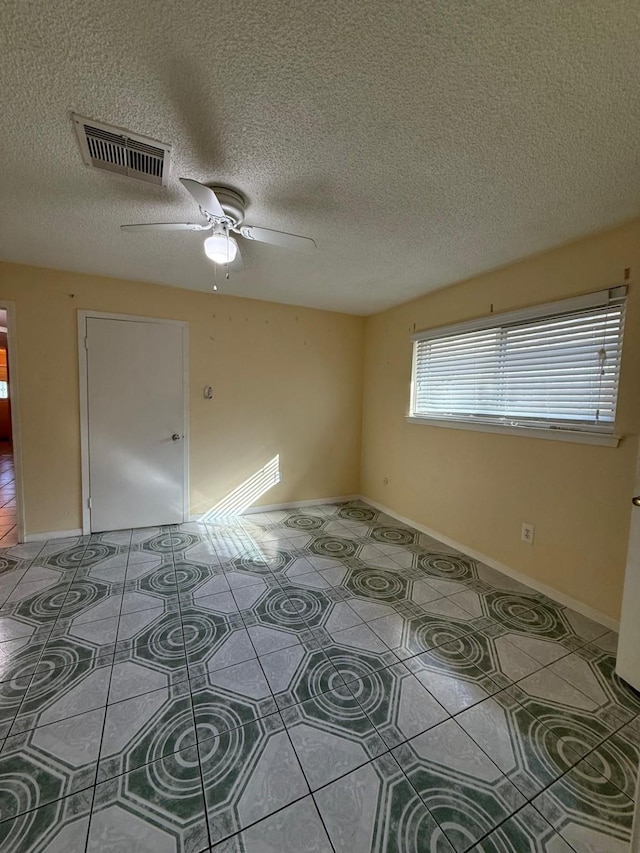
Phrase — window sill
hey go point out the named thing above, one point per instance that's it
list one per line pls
(574, 437)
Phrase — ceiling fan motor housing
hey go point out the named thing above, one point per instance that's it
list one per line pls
(232, 203)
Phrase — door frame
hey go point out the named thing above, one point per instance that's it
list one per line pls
(83, 316)
(14, 399)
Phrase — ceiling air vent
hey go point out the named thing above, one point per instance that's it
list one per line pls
(116, 150)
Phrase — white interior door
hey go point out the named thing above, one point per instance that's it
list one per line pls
(628, 660)
(136, 423)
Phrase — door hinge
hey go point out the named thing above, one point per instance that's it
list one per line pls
(86, 343)
(90, 503)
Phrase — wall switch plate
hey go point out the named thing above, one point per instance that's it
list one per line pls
(528, 531)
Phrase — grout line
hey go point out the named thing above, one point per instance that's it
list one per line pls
(104, 719)
(15, 817)
(69, 717)
(387, 750)
(282, 580)
(53, 624)
(579, 758)
(45, 643)
(193, 714)
(487, 835)
(300, 767)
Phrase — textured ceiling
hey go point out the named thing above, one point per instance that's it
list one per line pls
(417, 142)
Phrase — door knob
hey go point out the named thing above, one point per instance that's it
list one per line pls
(175, 436)
(636, 501)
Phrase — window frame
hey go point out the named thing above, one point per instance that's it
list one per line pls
(583, 433)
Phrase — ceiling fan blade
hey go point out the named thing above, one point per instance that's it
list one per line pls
(205, 196)
(278, 238)
(167, 226)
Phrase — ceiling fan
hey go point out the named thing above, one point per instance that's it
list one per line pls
(223, 208)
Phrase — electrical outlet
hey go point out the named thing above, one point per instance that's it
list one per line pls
(527, 533)
(386, 481)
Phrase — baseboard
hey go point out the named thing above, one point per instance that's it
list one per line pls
(63, 534)
(52, 534)
(554, 594)
(294, 504)
(289, 505)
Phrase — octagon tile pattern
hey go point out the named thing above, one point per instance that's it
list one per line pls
(319, 679)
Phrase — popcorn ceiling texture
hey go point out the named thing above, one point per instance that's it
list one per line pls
(418, 142)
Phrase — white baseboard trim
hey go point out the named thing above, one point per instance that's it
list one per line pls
(64, 534)
(289, 505)
(52, 534)
(554, 594)
(295, 504)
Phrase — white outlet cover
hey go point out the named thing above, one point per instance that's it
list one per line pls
(528, 532)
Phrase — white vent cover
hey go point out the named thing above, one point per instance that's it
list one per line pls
(116, 150)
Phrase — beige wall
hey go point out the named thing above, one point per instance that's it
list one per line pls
(289, 380)
(286, 381)
(477, 488)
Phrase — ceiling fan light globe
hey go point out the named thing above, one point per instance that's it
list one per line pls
(220, 249)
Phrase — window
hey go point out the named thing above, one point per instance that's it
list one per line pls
(550, 367)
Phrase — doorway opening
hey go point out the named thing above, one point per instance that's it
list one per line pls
(8, 506)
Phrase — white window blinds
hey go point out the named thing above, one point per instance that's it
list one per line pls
(544, 367)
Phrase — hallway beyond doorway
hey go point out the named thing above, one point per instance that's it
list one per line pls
(8, 518)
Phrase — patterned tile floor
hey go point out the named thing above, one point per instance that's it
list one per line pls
(324, 679)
